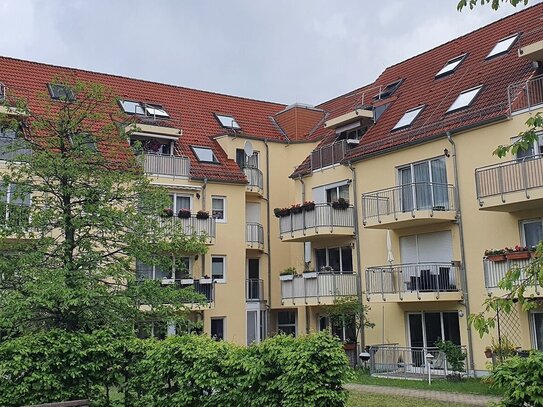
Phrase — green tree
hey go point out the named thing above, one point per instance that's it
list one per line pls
(349, 311)
(76, 211)
(495, 4)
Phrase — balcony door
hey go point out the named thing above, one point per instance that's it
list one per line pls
(253, 279)
(424, 186)
(537, 328)
(339, 259)
(426, 328)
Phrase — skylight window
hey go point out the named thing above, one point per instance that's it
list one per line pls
(227, 121)
(153, 110)
(388, 90)
(408, 118)
(143, 109)
(204, 154)
(61, 92)
(451, 65)
(465, 98)
(502, 46)
(131, 107)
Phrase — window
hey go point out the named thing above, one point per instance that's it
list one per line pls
(227, 122)
(205, 154)
(336, 192)
(336, 258)
(14, 205)
(424, 186)
(218, 268)
(181, 202)
(532, 232)
(350, 132)
(408, 118)
(388, 90)
(502, 46)
(218, 208)
(533, 151)
(131, 107)
(217, 328)
(465, 99)
(537, 329)
(2, 91)
(61, 92)
(344, 330)
(451, 66)
(144, 109)
(84, 141)
(156, 110)
(9, 140)
(152, 145)
(152, 329)
(180, 268)
(245, 161)
(426, 328)
(286, 322)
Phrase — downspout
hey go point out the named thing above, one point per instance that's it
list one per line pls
(204, 188)
(307, 313)
(462, 250)
(358, 255)
(268, 237)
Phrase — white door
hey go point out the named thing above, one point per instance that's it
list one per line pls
(427, 247)
(252, 212)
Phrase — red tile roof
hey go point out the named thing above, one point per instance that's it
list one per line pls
(420, 87)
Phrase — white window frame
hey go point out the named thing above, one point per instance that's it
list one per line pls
(218, 280)
(451, 65)
(8, 196)
(295, 324)
(340, 257)
(495, 51)
(533, 333)
(214, 159)
(227, 121)
(223, 199)
(223, 326)
(174, 196)
(172, 269)
(454, 107)
(403, 122)
(423, 313)
(537, 147)
(522, 232)
(337, 186)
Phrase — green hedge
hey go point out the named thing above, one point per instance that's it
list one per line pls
(185, 370)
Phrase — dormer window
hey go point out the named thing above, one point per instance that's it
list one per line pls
(131, 107)
(351, 132)
(143, 109)
(228, 122)
(408, 118)
(61, 92)
(388, 90)
(204, 154)
(502, 46)
(465, 99)
(156, 110)
(451, 66)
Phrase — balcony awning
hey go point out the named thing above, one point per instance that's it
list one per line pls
(532, 52)
(348, 118)
(147, 130)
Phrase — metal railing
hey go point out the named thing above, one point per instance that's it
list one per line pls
(322, 284)
(192, 225)
(254, 177)
(511, 176)
(328, 155)
(405, 198)
(494, 271)
(410, 362)
(414, 278)
(526, 94)
(254, 233)
(164, 164)
(324, 215)
(207, 290)
(254, 290)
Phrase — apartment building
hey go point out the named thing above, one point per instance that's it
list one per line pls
(389, 193)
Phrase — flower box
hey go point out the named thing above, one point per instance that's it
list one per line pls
(349, 346)
(517, 255)
(183, 214)
(167, 213)
(206, 280)
(496, 257)
(308, 206)
(287, 277)
(202, 215)
(310, 274)
(167, 281)
(187, 281)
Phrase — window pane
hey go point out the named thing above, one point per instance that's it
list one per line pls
(182, 268)
(451, 327)
(227, 121)
(161, 273)
(346, 259)
(217, 207)
(408, 118)
(533, 233)
(502, 46)
(333, 258)
(204, 154)
(143, 271)
(331, 195)
(432, 326)
(320, 255)
(538, 322)
(344, 192)
(131, 107)
(217, 328)
(182, 202)
(464, 99)
(286, 317)
(217, 267)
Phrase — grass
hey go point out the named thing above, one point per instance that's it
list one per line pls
(469, 386)
(383, 400)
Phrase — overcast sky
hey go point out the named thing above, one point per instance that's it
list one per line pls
(279, 50)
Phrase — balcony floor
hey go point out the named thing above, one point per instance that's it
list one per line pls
(413, 296)
(513, 201)
(409, 219)
(316, 233)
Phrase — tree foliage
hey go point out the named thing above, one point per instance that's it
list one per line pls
(495, 4)
(347, 311)
(77, 211)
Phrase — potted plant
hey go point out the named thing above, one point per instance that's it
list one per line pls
(309, 274)
(167, 213)
(495, 254)
(206, 280)
(341, 203)
(517, 253)
(186, 279)
(488, 352)
(349, 345)
(281, 212)
(167, 281)
(296, 208)
(308, 206)
(202, 215)
(287, 274)
(184, 213)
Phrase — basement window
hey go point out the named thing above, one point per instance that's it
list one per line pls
(61, 92)
(502, 46)
(451, 66)
(204, 154)
(227, 122)
(465, 99)
(408, 118)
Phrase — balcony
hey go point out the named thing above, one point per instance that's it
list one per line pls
(255, 181)
(494, 271)
(170, 165)
(510, 186)
(193, 226)
(409, 205)
(414, 282)
(526, 95)
(254, 290)
(254, 236)
(318, 288)
(321, 222)
(204, 287)
(328, 155)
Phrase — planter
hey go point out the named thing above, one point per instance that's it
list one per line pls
(167, 213)
(296, 209)
(202, 215)
(183, 214)
(186, 281)
(349, 346)
(517, 255)
(438, 208)
(206, 280)
(310, 206)
(167, 281)
(287, 277)
(310, 274)
(496, 257)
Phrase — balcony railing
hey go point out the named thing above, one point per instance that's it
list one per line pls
(410, 362)
(511, 176)
(254, 177)
(407, 198)
(206, 290)
(321, 285)
(328, 155)
(166, 165)
(526, 94)
(416, 278)
(254, 234)
(323, 216)
(192, 225)
(495, 271)
(254, 290)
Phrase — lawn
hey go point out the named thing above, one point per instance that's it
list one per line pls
(471, 386)
(383, 400)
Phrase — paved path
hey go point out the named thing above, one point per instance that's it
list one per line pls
(448, 397)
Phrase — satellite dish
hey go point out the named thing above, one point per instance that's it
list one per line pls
(248, 148)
